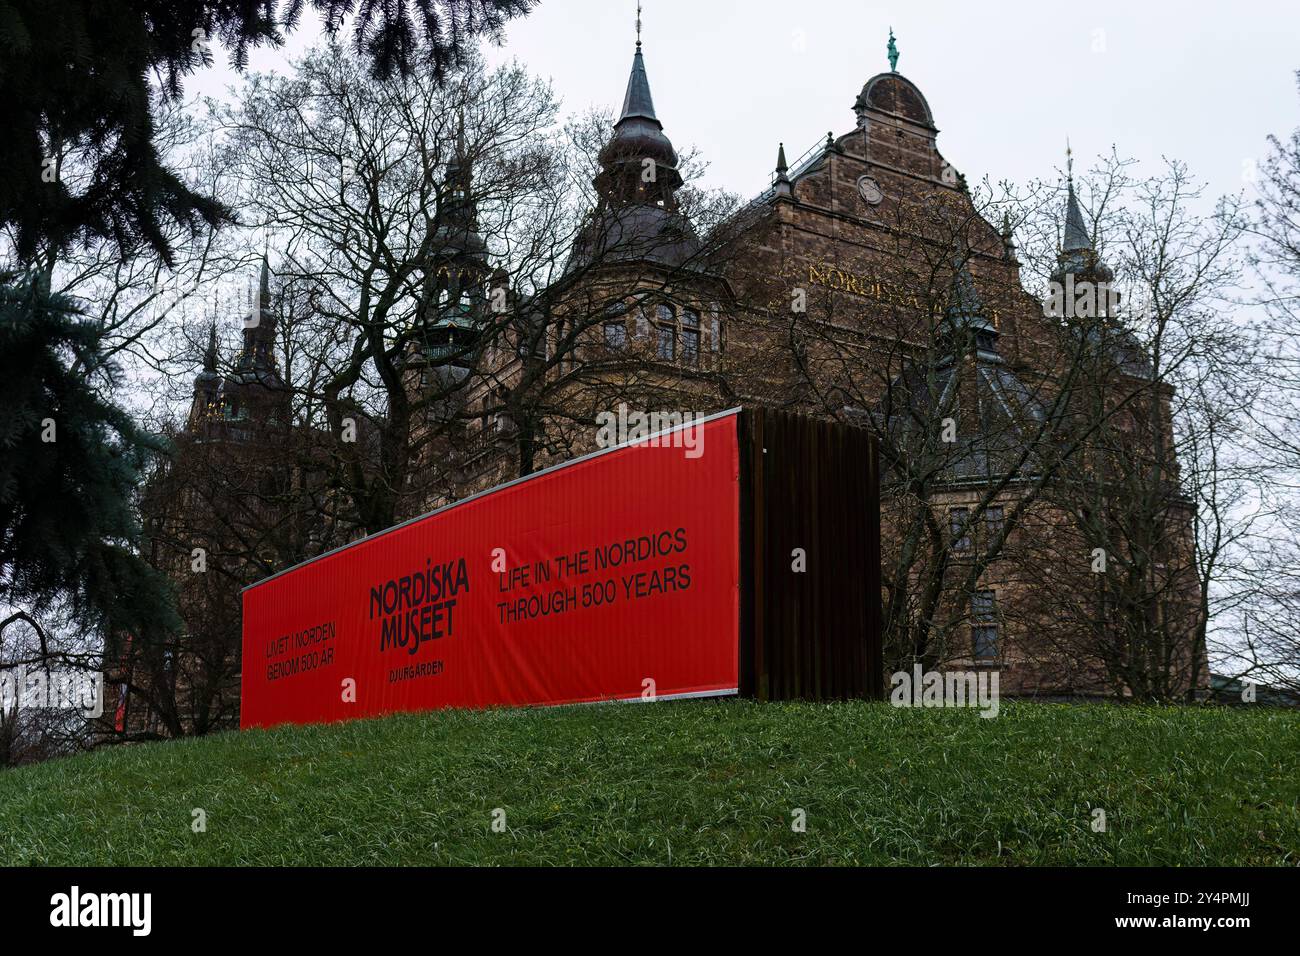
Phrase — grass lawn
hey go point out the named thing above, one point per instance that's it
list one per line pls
(705, 782)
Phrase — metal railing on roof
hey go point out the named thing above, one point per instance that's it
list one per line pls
(801, 165)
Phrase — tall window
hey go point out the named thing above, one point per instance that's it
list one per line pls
(666, 342)
(984, 625)
(959, 532)
(994, 519)
(690, 337)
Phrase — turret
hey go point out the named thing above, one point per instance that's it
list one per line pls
(1078, 256)
(637, 217)
(456, 273)
(256, 391)
(207, 384)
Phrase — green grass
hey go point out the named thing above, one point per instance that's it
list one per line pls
(685, 783)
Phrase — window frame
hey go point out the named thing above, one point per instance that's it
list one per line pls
(665, 323)
(985, 632)
(994, 528)
(619, 323)
(985, 640)
(961, 545)
(690, 331)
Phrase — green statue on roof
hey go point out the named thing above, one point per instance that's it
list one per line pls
(893, 52)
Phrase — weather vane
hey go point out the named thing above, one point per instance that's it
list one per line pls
(893, 52)
(1069, 159)
(638, 22)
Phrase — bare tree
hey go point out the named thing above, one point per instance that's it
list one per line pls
(1156, 500)
(1267, 648)
(372, 188)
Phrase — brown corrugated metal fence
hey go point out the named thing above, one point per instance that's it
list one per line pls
(811, 485)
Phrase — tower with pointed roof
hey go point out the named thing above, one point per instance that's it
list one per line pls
(255, 391)
(453, 314)
(1078, 256)
(637, 218)
(207, 385)
(1082, 276)
(454, 298)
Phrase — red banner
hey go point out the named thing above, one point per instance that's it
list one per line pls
(612, 577)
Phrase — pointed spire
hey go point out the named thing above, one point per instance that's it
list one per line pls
(1076, 233)
(456, 267)
(207, 382)
(263, 318)
(1078, 256)
(458, 164)
(210, 355)
(638, 137)
(1008, 237)
(259, 327)
(207, 385)
(637, 217)
(454, 234)
(264, 284)
(638, 102)
(965, 307)
(783, 186)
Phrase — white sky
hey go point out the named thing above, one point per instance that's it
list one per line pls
(1200, 81)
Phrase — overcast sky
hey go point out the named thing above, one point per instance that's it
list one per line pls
(1008, 82)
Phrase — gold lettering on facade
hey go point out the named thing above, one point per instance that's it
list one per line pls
(841, 281)
(880, 290)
